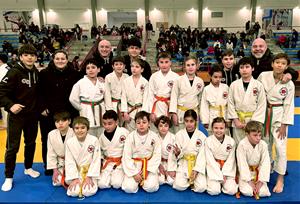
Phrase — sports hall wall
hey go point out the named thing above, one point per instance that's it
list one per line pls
(68, 12)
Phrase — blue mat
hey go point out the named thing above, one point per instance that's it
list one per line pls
(40, 190)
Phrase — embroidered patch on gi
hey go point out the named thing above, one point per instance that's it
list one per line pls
(170, 83)
(142, 88)
(152, 142)
(122, 139)
(199, 86)
(91, 149)
(283, 91)
(225, 94)
(255, 91)
(228, 148)
(169, 147)
(101, 91)
(198, 143)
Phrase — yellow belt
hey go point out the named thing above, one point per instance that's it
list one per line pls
(83, 172)
(183, 108)
(144, 167)
(242, 115)
(219, 108)
(191, 159)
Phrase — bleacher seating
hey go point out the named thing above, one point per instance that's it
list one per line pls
(12, 38)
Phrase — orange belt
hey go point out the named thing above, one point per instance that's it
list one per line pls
(162, 99)
(116, 160)
(221, 162)
(255, 168)
(269, 117)
(63, 177)
(144, 167)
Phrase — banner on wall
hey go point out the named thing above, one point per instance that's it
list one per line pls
(16, 20)
(277, 19)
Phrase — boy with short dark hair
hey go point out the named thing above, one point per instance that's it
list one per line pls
(112, 144)
(113, 85)
(253, 162)
(141, 157)
(246, 101)
(230, 69)
(83, 160)
(280, 113)
(19, 96)
(56, 147)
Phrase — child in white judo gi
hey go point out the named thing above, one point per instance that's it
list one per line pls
(190, 152)
(168, 165)
(83, 160)
(56, 147)
(247, 100)
(112, 144)
(186, 93)
(134, 94)
(113, 86)
(87, 96)
(280, 113)
(214, 99)
(253, 162)
(160, 87)
(220, 160)
(141, 157)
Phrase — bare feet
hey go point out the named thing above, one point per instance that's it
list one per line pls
(279, 184)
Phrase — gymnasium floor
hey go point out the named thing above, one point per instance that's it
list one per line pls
(40, 190)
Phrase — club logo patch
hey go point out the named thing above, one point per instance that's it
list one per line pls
(225, 94)
(255, 91)
(101, 91)
(228, 148)
(198, 143)
(170, 83)
(169, 147)
(122, 139)
(91, 149)
(283, 91)
(142, 88)
(152, 142)
(199, 86)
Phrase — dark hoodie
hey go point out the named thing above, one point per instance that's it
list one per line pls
(55, 88)
(265, 64)
(20, 86)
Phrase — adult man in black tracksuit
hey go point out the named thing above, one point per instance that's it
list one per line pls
(19, 96)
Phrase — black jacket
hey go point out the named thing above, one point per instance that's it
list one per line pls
(230, 76)
(20, 86)
(146, 73)
(265, 64)
(106, 66)
(56, 87)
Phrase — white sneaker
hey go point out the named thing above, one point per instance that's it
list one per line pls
(32, 173)
(7, 185)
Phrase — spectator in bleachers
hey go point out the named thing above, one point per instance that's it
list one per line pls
(262, 59)
(134, 50)
(294, 38)
(7, 47)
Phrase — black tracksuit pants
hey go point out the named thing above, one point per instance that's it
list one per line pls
(28, 123)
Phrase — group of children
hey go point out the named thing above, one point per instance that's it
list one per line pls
(124, 137)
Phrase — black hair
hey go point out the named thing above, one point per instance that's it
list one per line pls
(134, 42)
(3, 58)
(27, 49)
(215, 68)
(228, 52)
(64, 115)
(110, 114)
(60, 51)
(91, 61)
(163, 119)
(282, 56)
(218, 120)
(246, 60)
(118, 59)
(142, 115)
(190, 113)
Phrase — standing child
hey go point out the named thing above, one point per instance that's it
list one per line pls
(141, 157)
(87, 96)
(113, 85)
(190, 153)
(167, 167)
(19, 97)
(253, 162)
(83, 160)
(186, 93)
(160, 87)
(3, 70)
(112, 144)
(56, 147)
(134, 94)
(280, 113)
(247, 100)
(214, 99)
(220, 160)
(230, 70)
